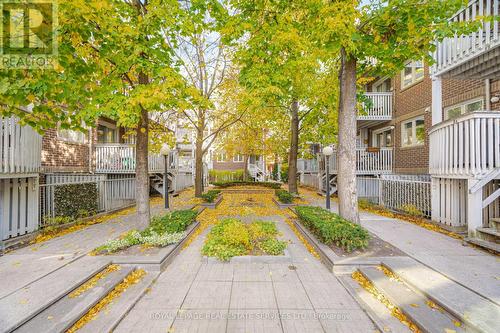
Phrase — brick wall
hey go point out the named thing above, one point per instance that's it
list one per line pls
(59, 155)
(411, 102)
(228, 165)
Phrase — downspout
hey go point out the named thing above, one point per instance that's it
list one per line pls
(487, 91)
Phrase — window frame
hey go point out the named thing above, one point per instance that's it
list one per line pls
(414, 143)
(81, 141)
(376, 132)
(414, 80)
(463, 106)
(238, 158)
(221, 157)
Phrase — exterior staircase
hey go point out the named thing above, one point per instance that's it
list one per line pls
(256, 173)
(488, 237)
(156, 182)
(333, 183)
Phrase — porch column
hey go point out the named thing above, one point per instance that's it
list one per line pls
(437, 100)
(474, 208)
(435, 200)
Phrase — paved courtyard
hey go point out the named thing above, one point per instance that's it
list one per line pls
(195, 296)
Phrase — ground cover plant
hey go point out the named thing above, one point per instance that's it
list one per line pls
(162, 231)
(284, 196)
(231, 237)
(272, 185)
(210, 195)
(331, 229)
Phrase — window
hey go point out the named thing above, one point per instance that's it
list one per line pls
(71, 136)
(413, 132)
(238, 158)
(460, 109)
(107, 134)
(412, 73)
(221, 157)
(382, 137)
(383, 85)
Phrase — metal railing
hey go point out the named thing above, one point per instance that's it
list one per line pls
(77, 199)
(20, 147)
(456, 50)
(307, 165)
(378, 107)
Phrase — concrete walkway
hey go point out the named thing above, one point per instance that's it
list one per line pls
(195, 296)
(473, 268)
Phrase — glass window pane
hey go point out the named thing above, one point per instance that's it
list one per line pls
(420, 131)
(454, 113)
(407, 75)
(408, 134)
(475, 106)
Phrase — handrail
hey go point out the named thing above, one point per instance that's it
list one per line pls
(476, 114)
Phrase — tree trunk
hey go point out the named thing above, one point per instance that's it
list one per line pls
(245, 167)
(198, 175)
(346, 150)
(141, 169)
(294, 148)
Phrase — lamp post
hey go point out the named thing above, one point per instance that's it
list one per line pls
(165, 151)
(327, 151)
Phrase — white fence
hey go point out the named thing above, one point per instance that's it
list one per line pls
(378, 107)
(376, 161)
(18, 207)
(20, 147)
(309, 179)
(183, 180)
(457, 50)
(121, 158)
(466, 146)
(405, 193)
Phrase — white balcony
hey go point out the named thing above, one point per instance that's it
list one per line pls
(307, 165)
(460, 56)
(379, 107)
(120, 158)
(20, 148)
(465, 147)
(369, 161)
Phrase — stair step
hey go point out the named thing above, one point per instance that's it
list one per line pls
(68, 310)
(474, 310)
(377, 311)
(490, 234)
(108, 320)
(25, 303)
(495, 247)
(411, 303)
(495, 223)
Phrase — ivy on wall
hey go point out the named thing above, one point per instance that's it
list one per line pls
(76, 200)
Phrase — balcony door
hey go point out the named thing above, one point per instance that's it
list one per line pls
(383, 138)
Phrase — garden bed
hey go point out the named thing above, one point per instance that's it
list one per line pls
(285, 199)
(272, 185)
(232, 238)
(163, 231)
(212, 199)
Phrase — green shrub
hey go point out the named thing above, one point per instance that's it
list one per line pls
(272, 185)
(76, 200)
(210, 195)
(284, 196)
(162, 231)
(272, 246)
(231, 237)
(173, 222)
(226, 175)
(227, 239)
(330, 228)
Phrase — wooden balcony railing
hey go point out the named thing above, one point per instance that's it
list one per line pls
(454, 51)
(379, 107)
(20, 147)
(468, 146)
(306, 166)
(376, 161)
(120, 158)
